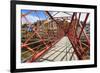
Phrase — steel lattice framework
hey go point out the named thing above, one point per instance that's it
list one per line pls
(44, 35)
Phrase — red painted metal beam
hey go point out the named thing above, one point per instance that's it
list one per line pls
(71, 33)
(87, 38)
(75, 41)
(84, 24)
(70, 23)
(23, 15)
(55, 21)
(41, 39)
(28, 48)
(35, 57)
(29, 38)
(38, 55)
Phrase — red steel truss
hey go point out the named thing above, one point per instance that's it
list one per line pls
(51, 37)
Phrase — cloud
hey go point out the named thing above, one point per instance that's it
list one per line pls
(30, 18)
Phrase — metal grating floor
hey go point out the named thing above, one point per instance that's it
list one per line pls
(61, 51)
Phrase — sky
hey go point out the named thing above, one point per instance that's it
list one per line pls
(40, 15)
(33, 16)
